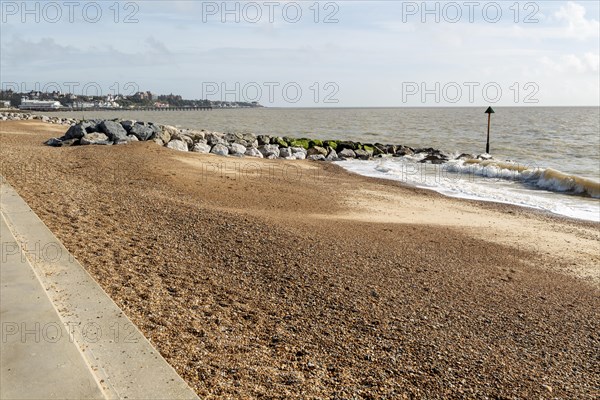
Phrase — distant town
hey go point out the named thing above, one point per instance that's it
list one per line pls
(57, 101)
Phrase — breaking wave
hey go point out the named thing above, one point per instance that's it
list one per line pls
(542, 178)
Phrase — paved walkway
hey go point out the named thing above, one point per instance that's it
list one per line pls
(62, 336)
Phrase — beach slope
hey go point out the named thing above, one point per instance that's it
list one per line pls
(287, 279)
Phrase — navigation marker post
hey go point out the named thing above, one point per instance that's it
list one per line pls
(489, 112)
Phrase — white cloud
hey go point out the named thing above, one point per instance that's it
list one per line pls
(577, 25)
(588, 63)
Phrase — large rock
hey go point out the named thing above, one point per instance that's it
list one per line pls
(232, 137)
(113, 130)
(196, 135)
(236, 149)
(404, 151)
(298, 150)
(142, 132)
(434, 159)
(263, 140)
(317, 150)
(214, 138)
(91, 126)
(363, 154)
(286, 152)
(161, 134)
(177, 144)
(249, 137)
(75, 132)
(316, 157)
(332, 156)
(188, 140)
(253, 152)
(269, 150)
(128, 124)
(346, 153)
(201, 148)
(54, 142)
(220, 150)
(346, 145)
(300, 156)
(95, 138)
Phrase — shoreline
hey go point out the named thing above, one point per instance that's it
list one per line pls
(331, 285)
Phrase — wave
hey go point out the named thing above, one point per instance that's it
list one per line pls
(542, 178)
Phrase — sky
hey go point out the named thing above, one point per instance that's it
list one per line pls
(309, 53)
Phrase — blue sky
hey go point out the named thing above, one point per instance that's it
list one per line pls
(369, 53)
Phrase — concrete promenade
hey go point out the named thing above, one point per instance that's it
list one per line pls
(62, 336)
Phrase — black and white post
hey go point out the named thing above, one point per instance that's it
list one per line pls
(489, 112)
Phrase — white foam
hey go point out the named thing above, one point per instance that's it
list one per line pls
(487, 181)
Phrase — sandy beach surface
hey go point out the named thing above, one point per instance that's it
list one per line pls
(295, 279)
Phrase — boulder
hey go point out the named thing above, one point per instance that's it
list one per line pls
(404, 151)
(279, 141)
(75, 132)
(263, 140)
(300, 156)
(95, 138)
(316, 157)
(285, 152)
(332, 156)
(315, 142)
(434, 159)
(249, 137)
(346, 145)
(236, 149)
(127, 125)
(113, 130)
(330, 143)
(253, 152)
(300, 143)
(232, 137)
(196, 135)
(214, 138)
(90, 126)
(220, 149)
(269, 150)
(346, 153)
(317, 150)
(54, 142)
(465, 156)
(298, 150)
(141, 132)
(177, 144)
(363, 154)
(188, 140)
(161, 134)
(201, 148)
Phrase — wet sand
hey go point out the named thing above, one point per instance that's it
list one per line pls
(282, 279)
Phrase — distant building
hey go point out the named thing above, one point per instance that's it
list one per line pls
(27, 104)
(5, 103)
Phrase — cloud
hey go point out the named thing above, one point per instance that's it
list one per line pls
(588, 63)
(577, 25)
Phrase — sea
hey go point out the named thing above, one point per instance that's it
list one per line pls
(546, 158)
